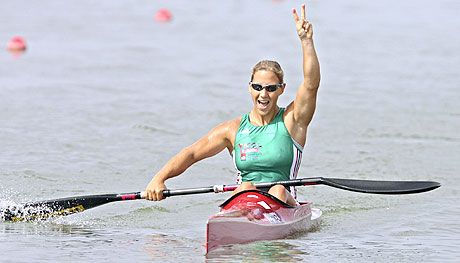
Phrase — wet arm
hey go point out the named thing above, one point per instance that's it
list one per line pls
(305, 101)
(211, 144)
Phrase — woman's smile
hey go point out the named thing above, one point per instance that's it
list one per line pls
(263, 104)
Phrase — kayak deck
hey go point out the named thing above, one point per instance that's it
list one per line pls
(253, 215)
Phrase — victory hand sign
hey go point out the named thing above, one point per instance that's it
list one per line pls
(304, 27)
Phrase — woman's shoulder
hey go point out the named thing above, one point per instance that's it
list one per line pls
(228, 130)
(233, 124)
(228, 126)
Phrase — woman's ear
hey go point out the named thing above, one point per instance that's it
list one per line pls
(282, 88)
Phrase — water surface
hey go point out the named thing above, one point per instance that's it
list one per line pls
(104, 96)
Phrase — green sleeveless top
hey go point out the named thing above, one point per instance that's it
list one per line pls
(265, 153)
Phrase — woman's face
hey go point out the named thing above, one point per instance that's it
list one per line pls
(265, 102)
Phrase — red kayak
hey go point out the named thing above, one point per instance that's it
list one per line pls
(253, 215)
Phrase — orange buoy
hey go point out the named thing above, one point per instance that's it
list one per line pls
(163, 15)
(17, 43)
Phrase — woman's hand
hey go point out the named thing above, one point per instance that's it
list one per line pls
(154, 190)
(304, 28)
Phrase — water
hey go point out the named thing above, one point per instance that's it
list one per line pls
(104, 96)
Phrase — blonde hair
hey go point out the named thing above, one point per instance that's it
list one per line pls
(269, 65)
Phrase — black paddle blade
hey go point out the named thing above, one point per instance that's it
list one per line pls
(41, 210)
(381, 187)
(61, 207)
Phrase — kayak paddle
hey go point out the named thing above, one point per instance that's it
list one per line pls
(70, 205)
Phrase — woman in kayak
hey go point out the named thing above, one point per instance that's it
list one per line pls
(266, 143)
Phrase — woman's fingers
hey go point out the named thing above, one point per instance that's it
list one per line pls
(295, 15)
(303, 26)
(151, 196)
(154, 191)
(154, 195)
(159, 195)
(301, 22)
(298, 23)
(302, 10)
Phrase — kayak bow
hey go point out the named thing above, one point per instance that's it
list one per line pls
(253, 215)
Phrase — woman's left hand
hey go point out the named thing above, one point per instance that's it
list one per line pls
(304, 27)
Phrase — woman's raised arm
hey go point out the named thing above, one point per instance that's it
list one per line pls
(301, 110)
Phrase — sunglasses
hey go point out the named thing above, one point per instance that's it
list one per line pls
(269, 88)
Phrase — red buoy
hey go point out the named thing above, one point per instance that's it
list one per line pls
(163, 15)
(17, 43)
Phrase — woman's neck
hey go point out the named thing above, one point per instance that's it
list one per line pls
(261, 120)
